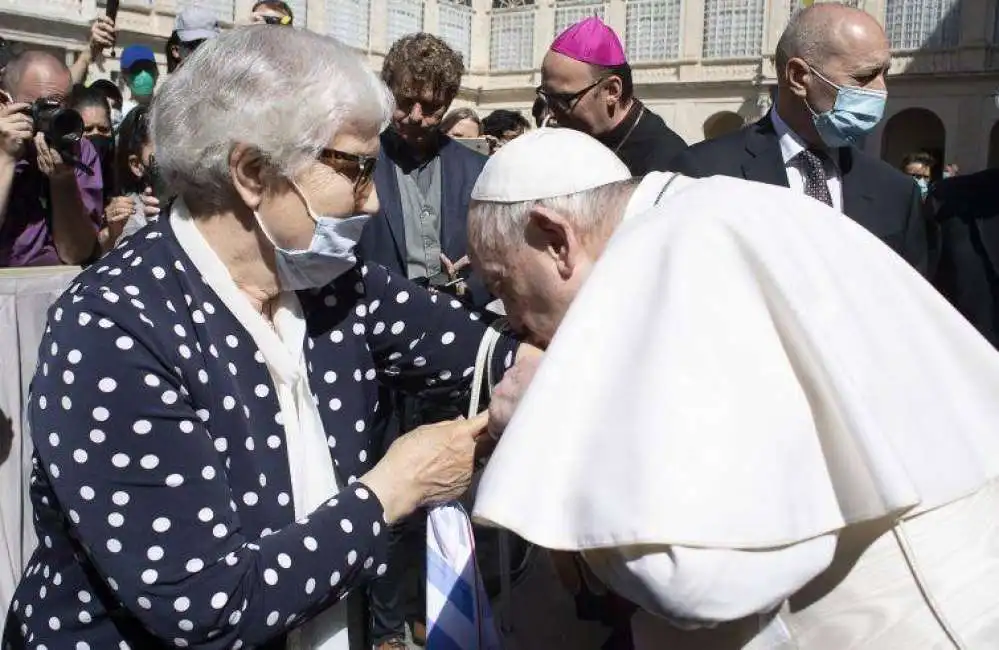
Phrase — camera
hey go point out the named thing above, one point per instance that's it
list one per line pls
(62, 127)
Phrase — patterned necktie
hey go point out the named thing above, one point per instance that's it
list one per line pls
(814, 171)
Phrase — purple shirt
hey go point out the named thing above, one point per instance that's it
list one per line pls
(26, 234)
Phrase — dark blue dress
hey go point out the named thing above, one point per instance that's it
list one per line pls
(161, 487)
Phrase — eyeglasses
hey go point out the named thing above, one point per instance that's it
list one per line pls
(565, 102)
(358, 169)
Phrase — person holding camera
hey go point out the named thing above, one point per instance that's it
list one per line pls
(50, 176)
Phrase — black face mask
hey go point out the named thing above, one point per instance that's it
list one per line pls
(151, 178)
(104, 144)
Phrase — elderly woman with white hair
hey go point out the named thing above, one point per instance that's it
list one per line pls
(205, 471)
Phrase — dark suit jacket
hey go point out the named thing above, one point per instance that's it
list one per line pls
(384, 238)
(875, 195)
(384, 242)
(966, 212)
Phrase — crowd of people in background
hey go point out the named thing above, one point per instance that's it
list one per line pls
(79, 177)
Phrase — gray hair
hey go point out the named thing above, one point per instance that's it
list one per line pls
(283, 92)
(593, 213)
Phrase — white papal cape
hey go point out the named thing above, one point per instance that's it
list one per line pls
(758, 422)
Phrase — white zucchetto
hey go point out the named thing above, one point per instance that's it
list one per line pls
(521, 170)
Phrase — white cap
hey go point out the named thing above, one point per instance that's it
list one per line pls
(546, 163)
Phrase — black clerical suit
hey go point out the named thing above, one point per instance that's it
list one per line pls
(966, 213)
(876, 195)
(643, 142)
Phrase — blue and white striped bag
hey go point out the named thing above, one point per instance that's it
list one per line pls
(458, 613)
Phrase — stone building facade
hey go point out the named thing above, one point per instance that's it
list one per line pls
(705, 65)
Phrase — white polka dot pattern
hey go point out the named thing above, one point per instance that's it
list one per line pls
(158, 439)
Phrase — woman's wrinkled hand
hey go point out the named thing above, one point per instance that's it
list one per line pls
(430, 465)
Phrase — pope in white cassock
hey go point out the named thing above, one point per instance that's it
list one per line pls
(754, 420)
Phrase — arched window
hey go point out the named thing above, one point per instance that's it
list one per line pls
(733, 28)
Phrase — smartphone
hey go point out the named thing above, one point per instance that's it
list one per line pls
(475, 144)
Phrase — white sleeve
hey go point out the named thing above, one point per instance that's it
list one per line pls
(707, 586)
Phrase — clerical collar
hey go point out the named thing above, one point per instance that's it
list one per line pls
(404, 155)
(618, 136)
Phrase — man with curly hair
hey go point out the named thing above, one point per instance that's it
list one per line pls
(424, 181)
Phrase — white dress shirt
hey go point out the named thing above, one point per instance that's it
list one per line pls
(791, 145)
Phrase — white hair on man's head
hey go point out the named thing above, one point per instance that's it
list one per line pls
(593, 213)
(283, 92)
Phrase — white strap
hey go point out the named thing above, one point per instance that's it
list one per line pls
(483, 365)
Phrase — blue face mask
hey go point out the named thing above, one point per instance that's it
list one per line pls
(330, 253)
(855, 114)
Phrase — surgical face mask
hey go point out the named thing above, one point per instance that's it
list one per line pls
(142, 84)
(855, 114)
(924, 186)
(330, 253)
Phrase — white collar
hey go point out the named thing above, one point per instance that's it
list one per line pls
(791, 144)
(283, 349)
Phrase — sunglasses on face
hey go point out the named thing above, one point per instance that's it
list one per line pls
(358, 169)
(565, 101)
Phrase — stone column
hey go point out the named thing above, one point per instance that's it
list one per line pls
(431, 17)
(616, 17)
(241, 11)
(378, 27)
(692, 30)
(544, 29)
(316, 16)
(481, 20)
(778, 13)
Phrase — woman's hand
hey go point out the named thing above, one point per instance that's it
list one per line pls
(116, 215)
(432, 464)
(150, 204)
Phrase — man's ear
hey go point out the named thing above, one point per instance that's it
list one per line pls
(798, 74)
(550, 232)
(247, 170)
(614, 89)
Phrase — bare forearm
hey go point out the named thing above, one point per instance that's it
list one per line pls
(72, 229)
(6, 185)
(81, 66)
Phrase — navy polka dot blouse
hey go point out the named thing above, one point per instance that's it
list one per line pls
(161, 488)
